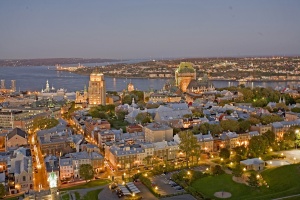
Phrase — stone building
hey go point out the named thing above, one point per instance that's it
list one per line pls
(16, 138)
(157, 133)
(184, 75)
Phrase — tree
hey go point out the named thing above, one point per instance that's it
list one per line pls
(188, 143)
(2, 190)
(241, 150)
(86, 171)
(270, 135)
(252, 180)
(224, 153)
(296, 109)
(230, 125)
(267, 119)
(44, 123)
(258, 145)
(237, 171)
(217, 170)
(244, 125)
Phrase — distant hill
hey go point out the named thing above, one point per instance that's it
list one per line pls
(51, 61)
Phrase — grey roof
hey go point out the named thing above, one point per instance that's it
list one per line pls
(16, 131)
(156, 126)
(65, 161)
(252, 161)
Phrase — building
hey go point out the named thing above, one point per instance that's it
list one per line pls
(81, 98)
(3, 89)
(200, 89)
(206, 142)
(20, 171)
(184, 75)
(155, 132)
(130, 87)
(261, 128)
(66, 170)
(253, 164)
(16, 138)
(95, 124)
(97, 89)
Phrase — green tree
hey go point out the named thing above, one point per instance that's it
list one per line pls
(224, 153)
(237, 171)
(270, 135)
(44, 123)
(267, 119)
(143, 118)
(257, 145)
(86, 171)
(217, 170)
(253, 180)
(230, 125)
(241, 150)
(188, 144)
(2, 190)
(296, 109)
(244, 126)
(254, 120)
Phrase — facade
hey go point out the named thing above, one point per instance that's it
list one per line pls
(130, 87)
(206, 142)
(66, 170)
(253, 164)
(184, 75)
(54, 144)
(81, 98)
(16, 138)
(97, 89)
(155, 132)
(202, 89)
(20, 171)
(95, 124)
(261, 128)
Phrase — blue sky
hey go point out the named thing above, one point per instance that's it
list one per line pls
(148, 29)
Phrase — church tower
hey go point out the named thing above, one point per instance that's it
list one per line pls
(97, 89)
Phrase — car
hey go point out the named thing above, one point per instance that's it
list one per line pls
(174, 185)
(178, 187)
(171, 182)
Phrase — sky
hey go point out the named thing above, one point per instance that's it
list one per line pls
(134, 29)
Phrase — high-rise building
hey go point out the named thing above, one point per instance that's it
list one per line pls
(2, 84)
(184, 75)
(97, 89)
(13, 85)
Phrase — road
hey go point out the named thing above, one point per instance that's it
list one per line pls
(40, 181)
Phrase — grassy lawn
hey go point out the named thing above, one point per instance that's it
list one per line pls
(94, 183)
(65, 196)
(92, 195)
(77, 195)
(283, 181)
(15, 198)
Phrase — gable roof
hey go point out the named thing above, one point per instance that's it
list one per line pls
(16, 131)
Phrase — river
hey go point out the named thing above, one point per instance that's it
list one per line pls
(34, 78)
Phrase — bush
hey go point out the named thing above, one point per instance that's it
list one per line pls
(217, 170)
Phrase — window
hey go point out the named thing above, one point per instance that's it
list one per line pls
(24, 178)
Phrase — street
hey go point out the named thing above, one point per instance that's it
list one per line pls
(40, 181)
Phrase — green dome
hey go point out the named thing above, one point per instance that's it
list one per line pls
(186, 67)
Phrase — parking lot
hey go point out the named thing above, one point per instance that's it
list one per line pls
(166, 186)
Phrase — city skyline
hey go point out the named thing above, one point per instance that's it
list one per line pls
(148, 29)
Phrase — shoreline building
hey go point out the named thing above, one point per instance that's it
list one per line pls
(184, 75)
(97, 89)
(13, 87)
